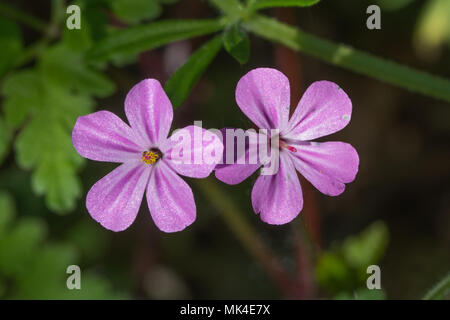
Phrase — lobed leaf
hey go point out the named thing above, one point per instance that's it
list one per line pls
(44, 144)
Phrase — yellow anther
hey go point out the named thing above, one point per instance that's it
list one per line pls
(150, 157)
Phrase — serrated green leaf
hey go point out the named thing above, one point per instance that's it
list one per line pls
(134, 11)
(10, 44)
(263, 4)
(44, 144)
(49, 152)
(184, 79)
(140, 38)
(236, 42)
(23, 95)
(63, 65)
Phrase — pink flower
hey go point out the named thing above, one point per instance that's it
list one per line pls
(144, 152)
(264, 96)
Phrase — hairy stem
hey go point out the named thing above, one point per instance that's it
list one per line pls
(349, 58)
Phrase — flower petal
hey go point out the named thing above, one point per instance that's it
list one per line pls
(328, 165)
(102, 136)
(278, 198)
(115, 199)
(241, 167)
(203, 151)
(149, 112)
(324, 109)
(170, 199)
(263, 95)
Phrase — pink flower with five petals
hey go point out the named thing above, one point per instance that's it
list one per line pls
(263, 95)
(145, 153)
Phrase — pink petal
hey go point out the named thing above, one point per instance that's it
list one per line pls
(263, 95)
(241, 168)
(103, 136)
(149, 112)
(170, 199)
(205, 150)
(114, 200)
(278, 198)
(328, 165)
(324, 109)
(235, 173)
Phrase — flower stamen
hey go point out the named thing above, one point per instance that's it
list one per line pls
(151, 156)
(284, 145)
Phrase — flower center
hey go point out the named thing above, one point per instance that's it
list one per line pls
(286, 146)
(151, 156)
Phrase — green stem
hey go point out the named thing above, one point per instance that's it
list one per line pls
(246, 234)
(439, 291)
(22, 17)
(349, 58)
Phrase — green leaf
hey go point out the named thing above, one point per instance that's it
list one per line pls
(343, 268)
(50, 265)
(10, 44)
(349, 58)
(23, 96)
(18, 244)
(236, 43)
(35, 268)
(184, 79)
(262, 4)
(66, 66)
(44, 144)
(134, 11)
(232, 8)
(140, 38)
(332, 272)
(5, 137)
(366, 248)
(440, 291)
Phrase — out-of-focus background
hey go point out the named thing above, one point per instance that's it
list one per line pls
(396, 214)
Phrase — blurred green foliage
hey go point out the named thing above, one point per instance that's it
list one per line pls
(31, 267)
(10, 42)
(343, 269)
